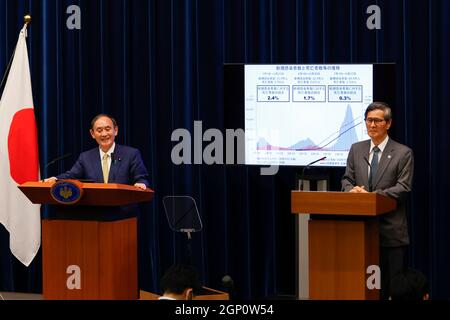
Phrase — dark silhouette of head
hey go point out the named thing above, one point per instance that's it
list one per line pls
(409, 285)
(180, 282)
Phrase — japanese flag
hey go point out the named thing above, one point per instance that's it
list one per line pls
(19, 160)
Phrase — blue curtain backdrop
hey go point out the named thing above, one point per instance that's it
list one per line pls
(158, 66)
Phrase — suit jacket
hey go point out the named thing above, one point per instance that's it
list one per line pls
(127, 167)
(394, 179)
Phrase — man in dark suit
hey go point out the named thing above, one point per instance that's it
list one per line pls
(180, 282)
(110, 162)
(384, 166)
(411, 284)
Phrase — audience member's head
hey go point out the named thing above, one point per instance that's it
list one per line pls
(180, 282)
(409, 285)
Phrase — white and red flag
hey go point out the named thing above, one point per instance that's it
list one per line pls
(19, 157)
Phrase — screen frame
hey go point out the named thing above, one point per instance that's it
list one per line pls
(384, 89)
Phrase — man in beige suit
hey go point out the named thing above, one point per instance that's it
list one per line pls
(384, 166)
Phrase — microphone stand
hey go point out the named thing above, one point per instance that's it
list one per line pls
(307, 167)
(57, 159)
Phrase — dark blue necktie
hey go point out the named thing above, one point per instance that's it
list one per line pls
(373, 166)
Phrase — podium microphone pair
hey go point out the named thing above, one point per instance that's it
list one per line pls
(307, 167)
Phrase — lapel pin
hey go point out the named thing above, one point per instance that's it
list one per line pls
(389, 156)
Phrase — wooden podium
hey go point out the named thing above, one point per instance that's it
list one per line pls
(89, 249)
(343, 241)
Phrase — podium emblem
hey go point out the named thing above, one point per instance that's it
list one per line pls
(67, 191)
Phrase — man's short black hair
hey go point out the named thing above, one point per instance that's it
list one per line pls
(178, 278)
(103, 115)
(378, 105)
(410, 284)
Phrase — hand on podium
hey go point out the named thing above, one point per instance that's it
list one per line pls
(140, 186)
(358, 189)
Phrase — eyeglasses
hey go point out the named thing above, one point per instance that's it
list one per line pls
(374, 120)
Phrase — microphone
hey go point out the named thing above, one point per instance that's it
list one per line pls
(353, 182)
(307, 167)
(228, 283)
(114, 159)
(58, 159)
(370, 167)
(367, 161)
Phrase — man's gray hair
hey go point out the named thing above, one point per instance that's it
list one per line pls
(377, 105)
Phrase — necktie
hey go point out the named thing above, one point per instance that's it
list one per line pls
(105, 168)
(373, 166)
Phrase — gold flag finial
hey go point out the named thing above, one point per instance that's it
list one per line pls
(27, 19)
